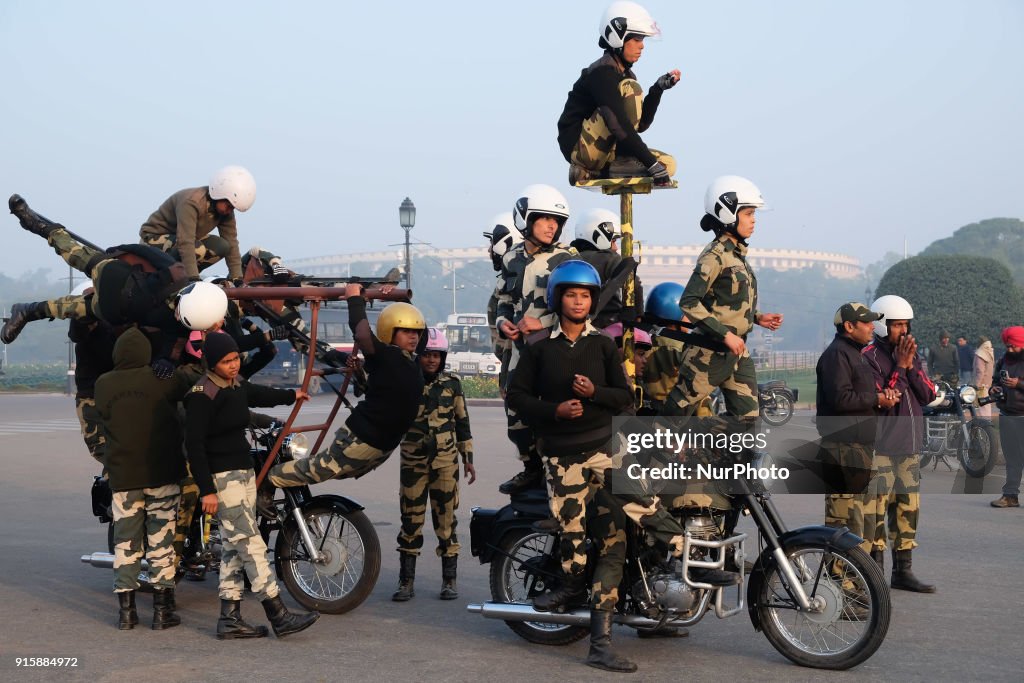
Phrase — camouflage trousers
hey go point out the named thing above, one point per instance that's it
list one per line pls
(607, 527)
(519, 432)
(702, 370)
(92, 432)
(892, 503)
(186, 510)
(596, 146)
(78, 256)
(847, 470)
(144, 525)
(421, 480)
(347, 457)
(209, 250)
(244, 549)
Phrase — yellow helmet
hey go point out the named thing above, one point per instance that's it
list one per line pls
(398, 315)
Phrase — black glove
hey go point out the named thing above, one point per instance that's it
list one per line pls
(237, 281)
(279, 332)
(248, 325)
(162, 368)
(659, 173)
(667, 81)
(281, 274)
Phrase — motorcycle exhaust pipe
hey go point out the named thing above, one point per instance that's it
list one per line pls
(105, 561)
(578, 617)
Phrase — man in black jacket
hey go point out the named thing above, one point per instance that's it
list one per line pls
(846, 402)
(1010, 379)
(598, 131)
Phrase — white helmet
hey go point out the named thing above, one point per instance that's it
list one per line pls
(727, 195)
(621, 19)
(503, 235)
(234, 184)
(201, 305)
(540, 199)
(600, 227)
(893, 308)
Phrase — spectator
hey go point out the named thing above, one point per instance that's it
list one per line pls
(984, 364)
(1010, 373)
(965, 356)
(943, 361)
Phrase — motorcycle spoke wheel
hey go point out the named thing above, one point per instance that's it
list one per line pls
(343, 579)
(979, 456)
(515, 581)
(780, 411)
(851, 608)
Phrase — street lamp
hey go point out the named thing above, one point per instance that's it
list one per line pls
(454, 288)
(407, 219)
(867, 295)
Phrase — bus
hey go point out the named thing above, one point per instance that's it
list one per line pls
(470, 351)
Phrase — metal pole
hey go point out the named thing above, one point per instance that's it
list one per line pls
(629, 290)
(408, 263)
(454, 308)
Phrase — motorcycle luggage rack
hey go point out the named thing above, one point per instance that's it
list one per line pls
(689, 543)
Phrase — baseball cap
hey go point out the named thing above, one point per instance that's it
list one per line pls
(856, 312)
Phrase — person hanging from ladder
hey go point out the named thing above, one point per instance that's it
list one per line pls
(605, 112)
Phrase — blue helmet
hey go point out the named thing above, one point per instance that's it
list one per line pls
(663, 302)
(572, 273)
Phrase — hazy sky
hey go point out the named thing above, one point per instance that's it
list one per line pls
(862, 122)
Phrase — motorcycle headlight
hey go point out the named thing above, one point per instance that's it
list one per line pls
(968, 394)
(296, 445)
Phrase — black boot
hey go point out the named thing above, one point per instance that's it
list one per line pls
(127, 617)
(448, 571)
(627, 167)
(29, 219)
(878, 555)
(902, 576)
(572, 591)
(21, 315)
(527, 479)
(406, 577)
(284, 622)
(601, 655)
(231, 626)
(163, 609)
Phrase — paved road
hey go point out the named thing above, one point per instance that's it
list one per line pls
(54, 605)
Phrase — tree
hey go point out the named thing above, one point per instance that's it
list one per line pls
(998, 238)
(963, 295)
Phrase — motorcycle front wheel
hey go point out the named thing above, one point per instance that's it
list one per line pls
(779, 410)
(979, 456)
(351, 558)
(852, 607)
(514, 580)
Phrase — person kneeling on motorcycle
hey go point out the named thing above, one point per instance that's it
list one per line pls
(216, 417)
(570, 383)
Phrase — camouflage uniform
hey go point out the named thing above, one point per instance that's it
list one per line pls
(502, 346)
(896, 492)
(144, 515)
(347, 457)
(720, 297)
(607, 526)
(596, 146)
(188, 216)
(522, 290)
(430, 466)
(244, 549)
(91, 425)
(661, 374)
(846, 507)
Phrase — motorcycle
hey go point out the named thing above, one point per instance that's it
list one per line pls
(947, 431)
(774, 398)
(326, 551)
(820, 600)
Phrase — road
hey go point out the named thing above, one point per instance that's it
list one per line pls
(56, 606)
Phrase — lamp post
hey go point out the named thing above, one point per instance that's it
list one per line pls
(454, 289)
(867, 296)
(407, 219)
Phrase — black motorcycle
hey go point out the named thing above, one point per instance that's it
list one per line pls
(819, 599)
(326, 551)
(948, 431)
(775, 402)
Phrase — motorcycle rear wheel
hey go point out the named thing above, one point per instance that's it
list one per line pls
(512, 582)
(980, 458)
(854, 618)
(781, 412)
(352, 550)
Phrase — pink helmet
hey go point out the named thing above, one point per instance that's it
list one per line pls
(640, 337)
(436, 340)
(194, 345)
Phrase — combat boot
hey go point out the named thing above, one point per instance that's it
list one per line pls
(627, 167)
(601, 655)
(163, 609)
(878, 555)
(21, 315)
(406, 578)
(572, 591)
(527, 479)
(284, 622)
(448, 571)
(231, 626)
(127, 617)
(29, 219)
(902, 576)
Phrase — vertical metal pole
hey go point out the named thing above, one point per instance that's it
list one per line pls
(629, 290)
(453, 291)
(70, 379)
(408, 263)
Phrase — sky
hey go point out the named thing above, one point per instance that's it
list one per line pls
(864, 123)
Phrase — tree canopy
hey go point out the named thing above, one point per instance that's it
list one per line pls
(998, 238)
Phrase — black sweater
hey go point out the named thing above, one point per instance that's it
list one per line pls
(215, 421)
(847, 394)
(394, 388)
(598, 89)
(544, 378)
